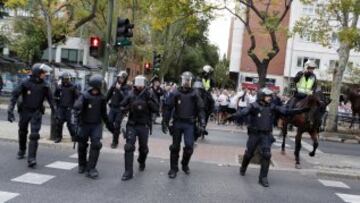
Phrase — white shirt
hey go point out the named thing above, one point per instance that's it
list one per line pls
(250, 99)
(223, 100)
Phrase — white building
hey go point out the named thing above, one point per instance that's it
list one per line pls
(300, 49)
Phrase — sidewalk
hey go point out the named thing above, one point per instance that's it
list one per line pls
(322, 164)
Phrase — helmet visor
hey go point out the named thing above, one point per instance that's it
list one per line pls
(186, 81)
(139, 81)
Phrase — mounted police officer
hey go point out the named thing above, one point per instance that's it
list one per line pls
(305, 82)
(187, 106)
(33, 92)
(260, 128)
(140, 106)
(89, 112)
(116, 94)
(208, 83)
(65, 95)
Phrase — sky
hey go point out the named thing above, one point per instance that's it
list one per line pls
(219, 31)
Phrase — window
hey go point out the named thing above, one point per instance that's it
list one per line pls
(302, 60)
(308, 10)
(334, 38)
(72, 55)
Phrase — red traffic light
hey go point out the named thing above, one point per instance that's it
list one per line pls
(147, 65)
(94, 41)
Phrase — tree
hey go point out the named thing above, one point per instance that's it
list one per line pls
(221, 73)
(270, 15)
(337, 18)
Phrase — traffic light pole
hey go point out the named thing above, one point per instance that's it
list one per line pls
(108, 36)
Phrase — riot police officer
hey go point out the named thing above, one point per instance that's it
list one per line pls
(260, 128)
(187, 106)
(65, 95)
(117, 92)
(89, 112)
(140, 105)
(33, 92)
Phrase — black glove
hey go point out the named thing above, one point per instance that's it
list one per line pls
(11, 116)
(164, 127)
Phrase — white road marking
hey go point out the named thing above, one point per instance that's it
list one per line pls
(6, 196)
(62, 165)
(331, 183)
(349, 198)
(307, 146)
(33, 178)
(74, 156)
(278, 144)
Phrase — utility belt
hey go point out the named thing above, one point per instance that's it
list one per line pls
(22, 108)
(186, 120)
(253, 131)
(135, 123)
(113, 106)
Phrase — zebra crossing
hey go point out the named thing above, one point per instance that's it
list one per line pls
(33, 178)
(338, 185)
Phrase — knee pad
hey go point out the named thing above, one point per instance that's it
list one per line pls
(23, 132)
(34, 137)
(144, 150)
(247, 155)
(129, 147)
(266, 154)
(82, 145)
(174, 149)
(188, 150)
(96, 145)
(316, 144)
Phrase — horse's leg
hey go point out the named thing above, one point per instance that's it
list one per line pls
(284, 134)
(314, 137)
(297, 149)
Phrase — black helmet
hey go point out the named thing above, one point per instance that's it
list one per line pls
(66, 75)
(38, 69)
(186, 78)
(263, 92)
(96, 81)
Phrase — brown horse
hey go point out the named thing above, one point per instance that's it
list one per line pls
(353, 95)
(309, 122)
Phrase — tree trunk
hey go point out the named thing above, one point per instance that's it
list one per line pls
(343, 52)
(262, 72)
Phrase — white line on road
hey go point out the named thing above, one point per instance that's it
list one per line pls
(33, 178)
(6, 196)
(349, 198)
(331, 183)
(62, 165)
(74, 156)
(307, 146)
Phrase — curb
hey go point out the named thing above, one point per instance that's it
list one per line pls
(335, 174)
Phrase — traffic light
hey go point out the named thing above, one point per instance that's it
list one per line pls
(147, 68)
(94, 46)
(156, 61)
(123, 32)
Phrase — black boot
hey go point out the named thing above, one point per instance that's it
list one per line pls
(187, 152)
(59, 129)
(93, 158)
(115, 141)
(82, 152)
(141, 160)
(129, 160)
(174, 159)
(264, 170)
(22, 145)
(244, 165)
(33, 145)
(58, 140)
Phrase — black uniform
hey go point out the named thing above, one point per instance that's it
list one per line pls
(140, 106)
(187, 107)
(89, 112)
(260, 133)
(65, 96)
(116, 95)
(33, 92)
(156, 93)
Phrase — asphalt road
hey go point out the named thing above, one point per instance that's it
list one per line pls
(207, 183)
